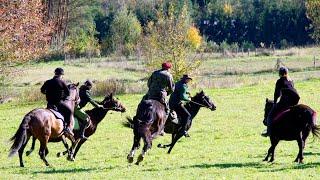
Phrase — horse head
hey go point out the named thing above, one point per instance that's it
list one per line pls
(74, 93)
(112, 103)
(267, 109)
(204, 101)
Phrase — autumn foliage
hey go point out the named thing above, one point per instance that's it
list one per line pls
(24, 32)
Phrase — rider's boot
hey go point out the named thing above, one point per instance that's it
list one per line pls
(83, 129)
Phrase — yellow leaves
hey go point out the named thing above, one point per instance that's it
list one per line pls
(194, 38)
(313, 13)
(227, 9)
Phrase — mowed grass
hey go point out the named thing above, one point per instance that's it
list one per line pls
(225, 143)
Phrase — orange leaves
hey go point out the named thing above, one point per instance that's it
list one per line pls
(24, 33)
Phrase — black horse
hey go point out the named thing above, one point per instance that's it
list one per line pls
(292, 124)
(198, 101)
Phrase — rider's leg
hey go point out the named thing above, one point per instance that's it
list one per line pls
(68, 116)
(269, 121)
(84, 121)
(185, 118)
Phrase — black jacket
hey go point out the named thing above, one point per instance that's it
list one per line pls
(55, 90)
(285, 89)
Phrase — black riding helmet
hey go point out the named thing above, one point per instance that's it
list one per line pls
(88, 83)
(59, 71)
(283, 71)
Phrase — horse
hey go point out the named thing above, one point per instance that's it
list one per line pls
(198, 101)
(294, 123)
(96, 116)
(42, 124)
(149, 122)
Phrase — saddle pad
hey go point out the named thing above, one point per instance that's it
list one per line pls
(57, 114)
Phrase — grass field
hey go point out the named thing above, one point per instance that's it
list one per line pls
(224, 144)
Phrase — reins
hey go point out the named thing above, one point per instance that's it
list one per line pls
(200, 104)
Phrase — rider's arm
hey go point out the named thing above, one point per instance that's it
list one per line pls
(93, 102)
(43, 88)
(277, 91)
(170, 85)
(65, 89)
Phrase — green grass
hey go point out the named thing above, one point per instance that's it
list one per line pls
(224, 144)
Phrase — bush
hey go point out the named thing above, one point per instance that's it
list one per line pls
(284, 44)
(247, 46)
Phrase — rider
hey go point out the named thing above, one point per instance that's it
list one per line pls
(85, 97)
(180, 94)
(56, 92)
(288, 96)
(161, 85)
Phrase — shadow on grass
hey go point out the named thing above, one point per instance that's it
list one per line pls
(57, 171)
(226, 165)
(311, 154)
(294, 167)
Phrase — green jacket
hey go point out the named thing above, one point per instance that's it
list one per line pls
(181, 93)
(85, 97)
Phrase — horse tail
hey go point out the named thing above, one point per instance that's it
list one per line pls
(129, 123)
(314, 127)
(20, 137)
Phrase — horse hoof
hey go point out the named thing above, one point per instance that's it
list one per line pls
(130, 159)
(271, 160)
(70, 158)
(59, 154)
(21, 165)
(159, 146)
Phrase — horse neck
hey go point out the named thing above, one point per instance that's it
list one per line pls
(193, 109)
(97, 115)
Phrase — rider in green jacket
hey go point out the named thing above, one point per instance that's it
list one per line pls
(177, 99)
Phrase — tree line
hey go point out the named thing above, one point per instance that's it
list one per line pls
(154, 29)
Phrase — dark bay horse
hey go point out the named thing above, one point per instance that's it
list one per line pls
(43, 125)
(147, 124)
(96, 116)
(198, 101)
(292, 124)
(150, 120)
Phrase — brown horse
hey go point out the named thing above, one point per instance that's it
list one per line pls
(147, 124)
(292, 124)
(43, 125)
(96, 116)
(198, 101)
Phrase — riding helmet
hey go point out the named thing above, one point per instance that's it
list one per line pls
(283, 70)
(59, 71)
(88, 82)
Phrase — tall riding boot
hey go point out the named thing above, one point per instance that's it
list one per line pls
(83, 128)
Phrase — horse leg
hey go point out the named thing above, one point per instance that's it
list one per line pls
(175, 140)
(21, 151)
(42, 150)
(167, 145)
(147, 145)
(274, 143)
(64, 141)
(32, 146)
(135, 146)
(78, 147)
(72, 149)
(299, 158)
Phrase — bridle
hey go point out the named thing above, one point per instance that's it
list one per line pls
(202, 105)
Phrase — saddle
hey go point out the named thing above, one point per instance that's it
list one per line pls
(57, 114)
(280, 114)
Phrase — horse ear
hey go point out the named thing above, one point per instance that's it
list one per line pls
(267, 100)
(77, 84)
(111, 95)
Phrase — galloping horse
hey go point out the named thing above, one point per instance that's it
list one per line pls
(96, 116)
(198, 101)
(292, 124)
(43, 125)
(147, 124)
